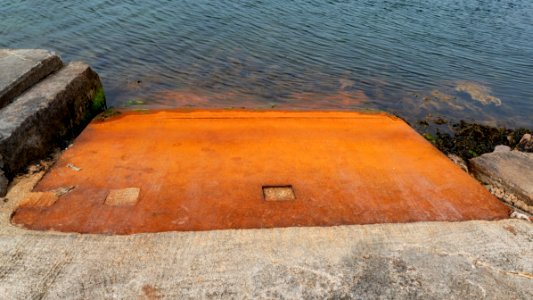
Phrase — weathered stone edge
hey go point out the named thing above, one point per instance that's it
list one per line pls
(484, 175)
(63, 118)
(46, 67)
(3, 179)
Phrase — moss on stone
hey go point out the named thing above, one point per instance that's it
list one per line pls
(98, 103)
(429, 137)
(107, 114)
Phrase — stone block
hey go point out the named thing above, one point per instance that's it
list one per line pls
(3, 184)
(54, 110)
(3, 180)
(511, 171)
(20, 69)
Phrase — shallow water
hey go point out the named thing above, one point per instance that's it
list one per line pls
(460, 59)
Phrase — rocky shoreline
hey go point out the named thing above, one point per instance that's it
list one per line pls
(500, 158)
(468, 140)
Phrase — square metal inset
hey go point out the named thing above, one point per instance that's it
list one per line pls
(123, 197)
(278, 193)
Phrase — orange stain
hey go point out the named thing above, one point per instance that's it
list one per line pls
(200, 99)
(339, 100)
(205, 170)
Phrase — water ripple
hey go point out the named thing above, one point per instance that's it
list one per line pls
(350, 54)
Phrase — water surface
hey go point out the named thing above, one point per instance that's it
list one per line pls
(460, 59)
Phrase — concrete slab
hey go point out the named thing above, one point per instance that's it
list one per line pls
(463, 260)
(20, 69)
(204, 170)
(509, 170)
(52, 111)
(436, 260)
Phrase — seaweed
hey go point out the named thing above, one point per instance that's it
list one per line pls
(469, 140)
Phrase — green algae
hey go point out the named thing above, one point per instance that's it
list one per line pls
(133, 102)
(96, 105)
(98, 102)
(142, 111)
(430, 137)
(107, 114)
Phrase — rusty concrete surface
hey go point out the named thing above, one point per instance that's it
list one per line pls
(435, 260)
(204, 170)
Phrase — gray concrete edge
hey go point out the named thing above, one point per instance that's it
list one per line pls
(474, 259)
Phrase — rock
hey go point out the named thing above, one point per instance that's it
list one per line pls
(3, 184)
(35, 168)
(507, 197)
(3, 180)
(502, 148)
(73, 167)
(54, 110)
(22, 68)
(511, 171)
(520, 216)
(458, 161)
(526, 143)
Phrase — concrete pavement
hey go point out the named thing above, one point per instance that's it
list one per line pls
(435, 260)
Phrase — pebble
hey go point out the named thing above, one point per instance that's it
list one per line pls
(458, 161)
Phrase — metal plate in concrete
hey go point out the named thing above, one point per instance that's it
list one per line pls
(204, 170)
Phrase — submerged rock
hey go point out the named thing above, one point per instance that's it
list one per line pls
(478, 92)
(469, 140)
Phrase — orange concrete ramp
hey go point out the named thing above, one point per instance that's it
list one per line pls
(204, 170)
